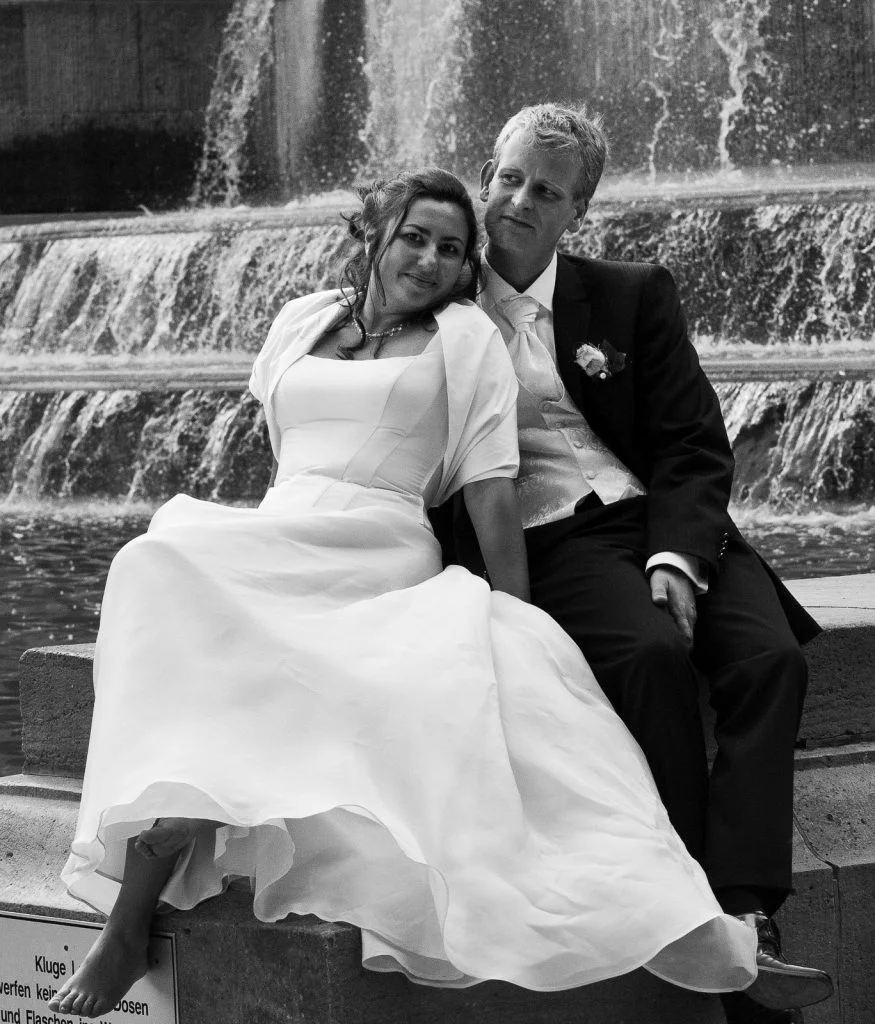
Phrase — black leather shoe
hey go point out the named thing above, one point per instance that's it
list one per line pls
(779, 985)
(741, 1010)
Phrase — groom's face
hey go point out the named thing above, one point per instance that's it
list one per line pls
(530, 197)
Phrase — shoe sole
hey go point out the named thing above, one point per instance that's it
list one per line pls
(777, 990)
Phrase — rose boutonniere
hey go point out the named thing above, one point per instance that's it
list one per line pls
(601, 361)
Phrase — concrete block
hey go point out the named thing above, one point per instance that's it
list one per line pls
(57, 699)
(840, 706)
(310, 971)
(37, 822)
(233, 968)
(634, 999)
(841, 699)
(838, 601)
(856, 977)
(810, 924)
(835, 812)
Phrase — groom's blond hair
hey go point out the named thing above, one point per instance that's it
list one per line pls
(553, 126)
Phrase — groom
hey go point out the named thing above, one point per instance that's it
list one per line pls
(624, 483)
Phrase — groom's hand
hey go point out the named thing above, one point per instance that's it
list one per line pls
(672, 590)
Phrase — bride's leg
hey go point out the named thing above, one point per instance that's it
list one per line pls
(119, 957)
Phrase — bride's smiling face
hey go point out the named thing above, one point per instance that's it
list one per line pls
(421, 265)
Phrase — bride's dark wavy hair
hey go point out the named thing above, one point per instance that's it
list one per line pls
(384, 207)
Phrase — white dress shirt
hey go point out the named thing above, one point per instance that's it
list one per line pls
(561, 458)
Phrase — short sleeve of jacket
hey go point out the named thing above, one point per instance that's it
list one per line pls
(260, 376)
(482, 388)
(289, 328)
(494, 450)
(290, 317)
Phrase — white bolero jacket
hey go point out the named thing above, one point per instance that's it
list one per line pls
(481, 383)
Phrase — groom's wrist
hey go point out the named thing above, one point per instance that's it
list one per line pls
(689, 565)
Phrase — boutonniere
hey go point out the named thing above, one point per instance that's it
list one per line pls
(602, 361)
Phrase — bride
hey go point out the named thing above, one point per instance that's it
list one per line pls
(299, 696)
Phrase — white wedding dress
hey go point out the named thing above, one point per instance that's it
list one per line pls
(390, 744)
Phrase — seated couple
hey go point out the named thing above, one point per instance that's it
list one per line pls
(495, 771)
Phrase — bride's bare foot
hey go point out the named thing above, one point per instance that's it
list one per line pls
(167, 836)
(114, 963)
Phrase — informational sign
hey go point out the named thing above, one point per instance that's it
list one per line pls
(38, 954)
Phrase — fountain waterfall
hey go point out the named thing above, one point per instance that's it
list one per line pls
(797, 444)
(186, 293)
(206, 285)
(308, 93)
(244, 58)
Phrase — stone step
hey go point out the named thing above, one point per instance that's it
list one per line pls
(840, 705)
(57, 699)
(232, 968)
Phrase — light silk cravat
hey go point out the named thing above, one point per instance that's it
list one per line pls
(533, 363)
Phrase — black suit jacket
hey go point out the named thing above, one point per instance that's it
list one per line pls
(659, 414)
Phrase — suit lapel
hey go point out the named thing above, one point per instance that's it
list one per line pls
(571, 311)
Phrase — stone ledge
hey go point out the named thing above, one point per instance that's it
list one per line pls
(57, 699)
(56, 694)
(840, 706)
(838, 601)
(309, 971)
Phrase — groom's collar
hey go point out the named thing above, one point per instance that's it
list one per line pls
(495, 289)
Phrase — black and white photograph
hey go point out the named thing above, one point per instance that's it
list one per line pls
(437, 511)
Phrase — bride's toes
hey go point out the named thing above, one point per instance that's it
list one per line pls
(69, 1001)
(90, 1007)
(167, 836)
(77, 1004)
(62, 1000)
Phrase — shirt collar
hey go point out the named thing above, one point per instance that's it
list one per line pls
(496, 289)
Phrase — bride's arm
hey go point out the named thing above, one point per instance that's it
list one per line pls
(273, 470)
(494, 511)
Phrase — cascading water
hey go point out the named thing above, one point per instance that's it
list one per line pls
(187, 293)
(665, 53)
(412, 71)
(245, 56)
(206, 286)
(737, 34)
(172, 285)
(132, 446)
(798, 443)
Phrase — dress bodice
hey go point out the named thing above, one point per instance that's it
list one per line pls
(374, 424)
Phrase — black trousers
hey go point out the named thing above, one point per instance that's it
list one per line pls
(587, 571)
